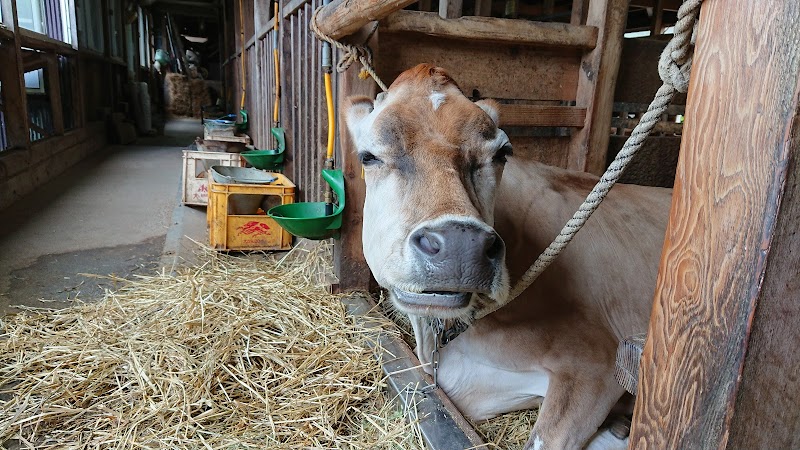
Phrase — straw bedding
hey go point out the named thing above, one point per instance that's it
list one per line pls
(237, 353)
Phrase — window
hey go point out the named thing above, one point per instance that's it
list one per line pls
(90, 25)
(30, 16)
(34, 81)
(48, 17)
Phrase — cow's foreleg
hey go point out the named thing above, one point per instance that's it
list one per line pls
(573, 410)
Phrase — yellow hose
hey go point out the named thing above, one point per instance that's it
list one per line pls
(275, 110)
(331, 116)
(244, 80)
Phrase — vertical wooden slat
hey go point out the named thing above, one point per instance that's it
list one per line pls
(721, 362)
(12, 77)
(658, 18)
(597, 78)
(483, 8)
(54, 86)
(579, 9)
(351, 267)
(450, 9)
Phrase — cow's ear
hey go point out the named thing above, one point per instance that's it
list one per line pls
(356, 108)
(492, 108)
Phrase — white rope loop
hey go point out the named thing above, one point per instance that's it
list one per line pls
(674, 68)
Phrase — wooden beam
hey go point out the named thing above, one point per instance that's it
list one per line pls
(12, 77)
(54, 93)
(658, 16)
(6, 34)
(33, 60)
(350, 265)
(541, 116)
(720, 364)
(598, 76)
(450, 9)
(494, 30)
(344, 17)
(38, 41)
(668, 5)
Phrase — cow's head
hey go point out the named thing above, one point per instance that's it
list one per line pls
(432, 161)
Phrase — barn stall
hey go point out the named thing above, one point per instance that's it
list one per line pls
(557, 83)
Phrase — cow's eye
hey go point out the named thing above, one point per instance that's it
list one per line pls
(502, 154)
(368, 158)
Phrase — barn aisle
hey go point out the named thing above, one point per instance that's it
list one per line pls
(112, 213)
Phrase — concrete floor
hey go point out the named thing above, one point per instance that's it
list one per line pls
(115, 213)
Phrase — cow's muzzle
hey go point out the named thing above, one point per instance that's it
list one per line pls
(455, 256)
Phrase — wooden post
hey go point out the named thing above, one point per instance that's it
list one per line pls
(721, 361)
(658, 18)
(54, 92)
(344, 17)
(598, 76)
(579, 8)
(12, 76)
(483, 8)
(450, 9)
(351, 267)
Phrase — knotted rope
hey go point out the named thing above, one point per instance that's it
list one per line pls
(674, 68)
(350, 53)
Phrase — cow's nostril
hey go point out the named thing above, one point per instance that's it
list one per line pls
(493, 246)
(429, 243)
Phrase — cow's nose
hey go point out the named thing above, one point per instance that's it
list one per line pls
(458, 242)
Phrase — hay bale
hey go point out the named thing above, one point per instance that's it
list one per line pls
(177, 97)
(236, 353)
(198, 90)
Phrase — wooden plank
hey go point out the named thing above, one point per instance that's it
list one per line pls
(598, 75)
(494, 71)
(450, 9)
(15, 105)
(54, 92)
(720, 365)
(6, 34)
(38, 41)
(668, 5)
(351, 267)
(441, 424)
(579, 9)
(494, 30)
(542, 116)
(658, 16)
(344, 17)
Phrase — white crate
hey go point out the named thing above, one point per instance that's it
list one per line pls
(195, 173)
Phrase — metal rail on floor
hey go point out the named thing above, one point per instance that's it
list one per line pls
(442, 425)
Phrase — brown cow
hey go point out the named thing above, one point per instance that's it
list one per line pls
(449, 226)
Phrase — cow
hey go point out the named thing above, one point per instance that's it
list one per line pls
(451, 221)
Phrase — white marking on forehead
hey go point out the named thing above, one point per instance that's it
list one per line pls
(437, 98)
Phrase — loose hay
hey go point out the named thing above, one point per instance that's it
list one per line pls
(238, 353)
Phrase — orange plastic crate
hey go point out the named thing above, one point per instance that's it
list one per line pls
(227, 231)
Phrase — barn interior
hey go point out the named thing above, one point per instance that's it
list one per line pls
(108, 111)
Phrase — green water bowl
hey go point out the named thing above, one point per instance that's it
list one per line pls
(264, 159)
(308, 219)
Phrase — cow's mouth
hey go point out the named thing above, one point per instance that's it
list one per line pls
(433, 299)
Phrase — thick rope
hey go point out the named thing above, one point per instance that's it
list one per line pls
(674, 68)
(350, 53)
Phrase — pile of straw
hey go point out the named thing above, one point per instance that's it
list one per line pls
(184, 96)
(238, 353)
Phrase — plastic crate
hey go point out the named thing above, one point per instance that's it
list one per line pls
(219, 127)
(228, 229)
(195, 173)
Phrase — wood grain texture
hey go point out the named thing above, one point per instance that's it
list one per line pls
(541, 116)
(730, 253)
(344, 17)
(492, 29)
(598, 75)
(495, 71)
(15, 105)
(350, 264)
